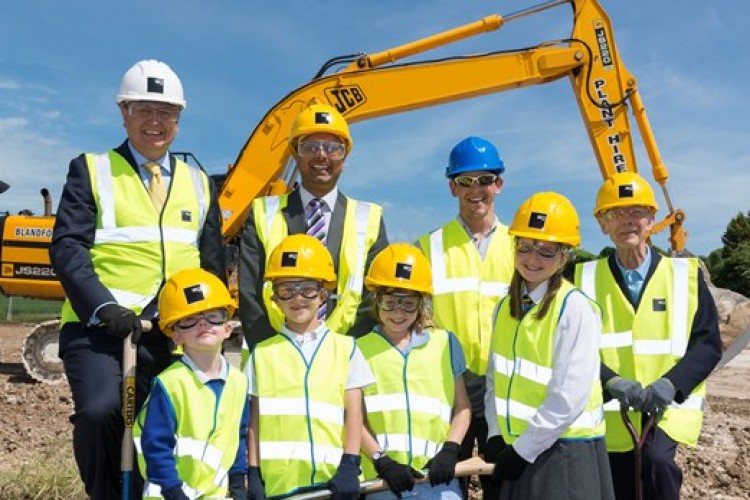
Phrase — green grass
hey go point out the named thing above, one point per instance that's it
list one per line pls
(28, 310)
(53, 476)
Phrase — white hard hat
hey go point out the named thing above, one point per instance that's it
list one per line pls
(151, 80)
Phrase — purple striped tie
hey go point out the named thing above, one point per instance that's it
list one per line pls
(316, 223)
(316, 227)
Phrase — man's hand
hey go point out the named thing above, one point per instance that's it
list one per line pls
(120, 321)
(509, 466)
(442, 467)
(626, 391)
(656, 397)
(400, 477)
(344, 485)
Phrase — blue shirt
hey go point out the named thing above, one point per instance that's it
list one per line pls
(634, 278)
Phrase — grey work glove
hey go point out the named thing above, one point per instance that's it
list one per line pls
(656, 397)
(120, 321)
(626, 391)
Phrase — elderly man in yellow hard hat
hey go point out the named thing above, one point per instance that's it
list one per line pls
(660, 339)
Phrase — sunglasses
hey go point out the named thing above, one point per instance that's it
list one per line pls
(214, 317)
(390, 302)
(544, 252)
(483, 180)
(307, 289)
(334, 150)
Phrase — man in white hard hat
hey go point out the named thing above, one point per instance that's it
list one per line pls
(128, 219)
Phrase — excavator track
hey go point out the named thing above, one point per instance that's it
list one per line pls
(40, 353)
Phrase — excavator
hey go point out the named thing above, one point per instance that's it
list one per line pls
(367, 86)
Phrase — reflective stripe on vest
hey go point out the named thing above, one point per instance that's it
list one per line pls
(643, 345)
(207, 433)
(127, 225)
(301, 411)
(360, 231)
(409, 407)
(523, 355)
(466, 287)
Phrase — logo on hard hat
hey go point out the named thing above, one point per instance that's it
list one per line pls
(155, 85)
(323, 118)
(193, 293)
(625, 191)
(289, 259)
(537, 220)
(403, 270)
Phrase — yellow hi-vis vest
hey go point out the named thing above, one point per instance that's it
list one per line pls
(467, 288)
(361, 227)
(642, 345)
(410, 406)
(135, 247)
(207, 432)
(523, 356)
(301, 411)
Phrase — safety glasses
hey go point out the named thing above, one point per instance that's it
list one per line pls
(546, 252)
(307, 289)
(144, 111)
(390, 302)
(636, 212)
(483, 180)
(333, 150)
(213, 317)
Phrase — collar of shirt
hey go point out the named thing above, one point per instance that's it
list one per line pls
(201, 374)
(329, 200)
(140, 160)
(471, 233)
(417, 339)
(536, 295)
(642, 269)
(307, 337)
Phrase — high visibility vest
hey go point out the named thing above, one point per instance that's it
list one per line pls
(361, 227)
(410, 406)
(301, 411)
(523, 357)
(135, 247)
(642, 345)
(467, 288)
(207, 433)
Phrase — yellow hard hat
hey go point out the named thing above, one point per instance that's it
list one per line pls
(624, 189)
(548, 217)
(301, 256)
(188, 292)
(320, 119)
(400, 265)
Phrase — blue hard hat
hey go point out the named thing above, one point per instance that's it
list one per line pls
(474, 153)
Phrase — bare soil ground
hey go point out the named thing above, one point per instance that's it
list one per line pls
(35, 425)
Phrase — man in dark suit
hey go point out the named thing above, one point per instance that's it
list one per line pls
(127, 220)
(352, 230)
(660, 339)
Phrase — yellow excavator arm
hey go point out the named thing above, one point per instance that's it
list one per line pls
(374, 85)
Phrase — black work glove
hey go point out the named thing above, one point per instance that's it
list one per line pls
(256, 490)
(120, 321)
(344, 485)
(237, 488)
(442, 467)
(626, 391)
(174, 493)
(400, 477)
(495, 445)
(656, 397)
(509, 466)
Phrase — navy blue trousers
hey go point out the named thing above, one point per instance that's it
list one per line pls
(660, 475)
(93, 365)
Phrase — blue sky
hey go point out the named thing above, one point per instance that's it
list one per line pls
(61, 63)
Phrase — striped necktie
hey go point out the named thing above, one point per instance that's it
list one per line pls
(316, 223)
(157, 190)
(526, 304)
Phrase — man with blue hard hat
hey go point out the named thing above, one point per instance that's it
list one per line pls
(472, 264)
